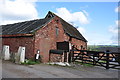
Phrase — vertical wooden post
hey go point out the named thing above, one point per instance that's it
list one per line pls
(72, 53)
(69, 57)
(63, 59)
(107, 59)
(93, 59)
(82, 57)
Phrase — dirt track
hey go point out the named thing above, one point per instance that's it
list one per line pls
(11, 70)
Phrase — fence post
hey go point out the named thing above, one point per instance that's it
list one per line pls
(93, 59)
(70, 57)
(107, 59)
(72, 53)
(82, 56)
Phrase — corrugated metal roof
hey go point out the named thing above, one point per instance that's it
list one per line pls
(28, 27)
(24, 27)
(72, 31)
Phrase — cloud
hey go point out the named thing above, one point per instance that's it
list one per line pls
(81, 30)
(117, 9)
(12, 11)
(114, 30)
(95, 38)
(100, 39)
(76, 17)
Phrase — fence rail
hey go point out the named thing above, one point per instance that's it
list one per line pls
(105, 59)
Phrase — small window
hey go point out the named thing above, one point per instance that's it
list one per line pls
(57, 31)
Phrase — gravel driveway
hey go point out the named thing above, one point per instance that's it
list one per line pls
(11, 70)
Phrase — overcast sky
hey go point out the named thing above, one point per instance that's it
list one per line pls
(97, 21)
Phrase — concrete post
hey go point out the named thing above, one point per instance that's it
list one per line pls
(6, 52)
(22, 54)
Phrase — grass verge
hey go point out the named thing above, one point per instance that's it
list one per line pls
(30, 62)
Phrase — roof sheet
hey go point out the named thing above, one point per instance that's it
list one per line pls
(69, 29)
(72, 31)
(29, 27)
(23, 27)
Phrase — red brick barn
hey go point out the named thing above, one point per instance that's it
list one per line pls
(41, 34)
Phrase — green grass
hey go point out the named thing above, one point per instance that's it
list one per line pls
(102, 61)
(30, 62)
(84, 64)
(94, 47)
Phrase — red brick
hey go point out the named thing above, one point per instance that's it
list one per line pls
(44, 39)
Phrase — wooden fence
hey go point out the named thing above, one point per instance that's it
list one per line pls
(105, 59)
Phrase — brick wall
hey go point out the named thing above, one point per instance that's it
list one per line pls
(43, 40)
(79, 43)
(14, 44)
(55, 57)
(46, 38)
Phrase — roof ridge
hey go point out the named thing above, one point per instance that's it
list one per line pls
(31, 26)
(61, 18)
(51, 14)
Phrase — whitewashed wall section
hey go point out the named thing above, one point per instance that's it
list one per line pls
(20, 56)
(6, 52)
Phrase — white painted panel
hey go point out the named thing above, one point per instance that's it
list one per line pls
(22, 54)
(6, 52)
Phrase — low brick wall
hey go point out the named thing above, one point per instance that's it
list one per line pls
(55, 57)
